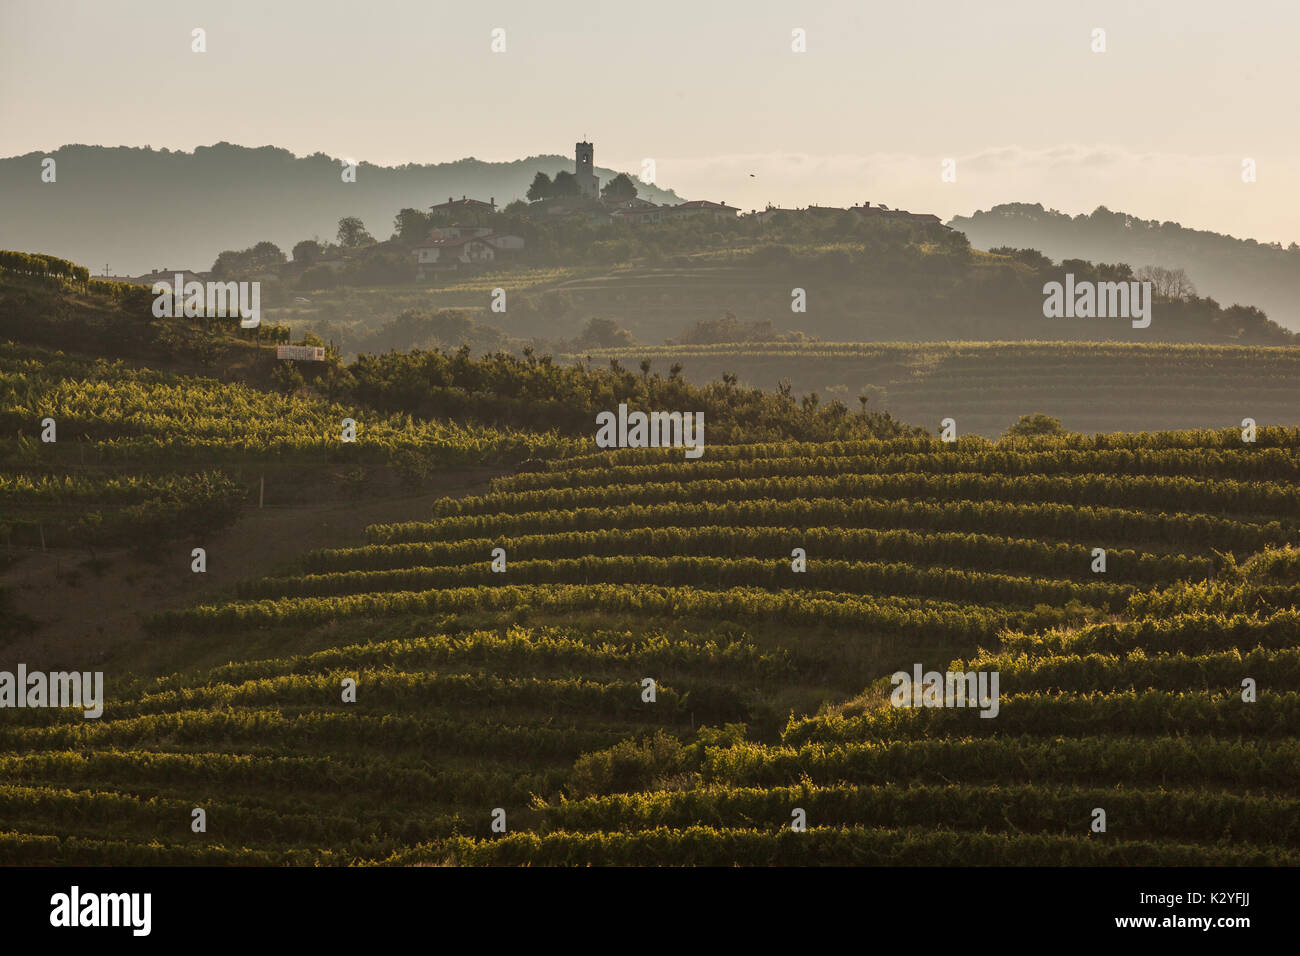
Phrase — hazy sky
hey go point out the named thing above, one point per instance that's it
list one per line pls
(1158, 125)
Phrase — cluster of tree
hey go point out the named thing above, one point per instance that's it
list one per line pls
(599, 333)
(622, 188)
(536, 393)
(1183, 314)
(440, 329)
(1166, 284)
(262, 257)
(728, 329)
(110, 318)
(267, 257)
(39, 264)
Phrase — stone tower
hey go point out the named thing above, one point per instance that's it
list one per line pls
(583, 158)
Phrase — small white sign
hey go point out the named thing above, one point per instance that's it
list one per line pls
(301, 353)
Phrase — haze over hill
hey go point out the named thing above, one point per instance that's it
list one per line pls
(1223, 267)
(139, 209)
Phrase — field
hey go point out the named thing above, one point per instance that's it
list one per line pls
(521, 695)
(986, 386)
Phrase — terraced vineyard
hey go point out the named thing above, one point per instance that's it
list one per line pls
(139, 454)
(524, 691)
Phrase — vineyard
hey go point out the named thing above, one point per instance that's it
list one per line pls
(631, 658)
(136, 454)
(986, 386)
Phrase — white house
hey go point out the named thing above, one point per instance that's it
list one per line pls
(438, 255)
(638, 215)
(459, 232)
(504, 243)
(718, 211)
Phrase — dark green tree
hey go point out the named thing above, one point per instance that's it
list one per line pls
(410, 225)
(619, 189)
(307, 252)
(542, 187)
(565, 186)
(1037, 424)
(352, 233)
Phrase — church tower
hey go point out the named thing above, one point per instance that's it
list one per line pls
(583, 159)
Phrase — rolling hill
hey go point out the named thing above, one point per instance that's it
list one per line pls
(122, 198)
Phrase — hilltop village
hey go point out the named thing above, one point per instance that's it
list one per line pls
(472, 234)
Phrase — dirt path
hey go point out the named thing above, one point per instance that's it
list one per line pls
(84, 618)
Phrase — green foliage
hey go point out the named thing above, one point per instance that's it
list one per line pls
(628, 765)
(540, 188)
(1034, 425)
(352, 233)
(260, 258)
(502, 390)
(619, 189)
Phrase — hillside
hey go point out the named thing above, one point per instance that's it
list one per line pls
(1228, 269)
(108, 202)
(524, 691)
(463, 612)
(987, 386)
(898, 287)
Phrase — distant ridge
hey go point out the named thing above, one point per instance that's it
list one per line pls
(137, 209)
(1222, 267)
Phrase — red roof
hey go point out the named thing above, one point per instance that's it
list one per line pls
(462, 203)
(704, 204)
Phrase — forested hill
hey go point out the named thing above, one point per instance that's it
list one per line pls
(1225, 268)
(130, 200)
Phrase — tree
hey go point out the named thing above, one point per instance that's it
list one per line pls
(1030, 257)
(227, 264)
(1036, 424)
(602, 334)
(726, 328)
(259, 258)
(619, 189)
(542, 187)
(1167, 283)
(352, 233)
(565, 186)
(410, 225)
(307, 252)
(266, 255)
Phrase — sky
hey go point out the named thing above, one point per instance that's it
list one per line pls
(1157, 125)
